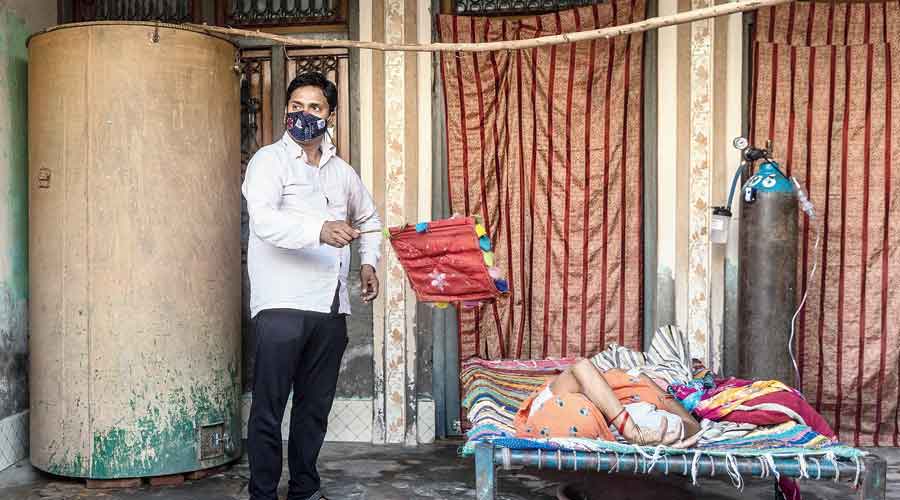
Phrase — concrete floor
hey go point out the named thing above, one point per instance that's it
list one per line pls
(366, 472)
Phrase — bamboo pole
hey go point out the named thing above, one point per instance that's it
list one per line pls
(579, 36)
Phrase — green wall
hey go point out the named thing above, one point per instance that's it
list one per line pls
(14, 32)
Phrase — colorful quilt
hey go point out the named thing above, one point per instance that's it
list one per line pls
(494, 390)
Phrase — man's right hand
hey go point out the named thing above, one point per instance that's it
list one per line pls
(337, 233)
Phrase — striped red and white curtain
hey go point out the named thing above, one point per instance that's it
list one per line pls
(826, 91)
(545, 145)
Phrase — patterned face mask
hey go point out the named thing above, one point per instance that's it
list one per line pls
(305, 127)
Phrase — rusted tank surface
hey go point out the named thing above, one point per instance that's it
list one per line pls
(134, 250)
(768, 286)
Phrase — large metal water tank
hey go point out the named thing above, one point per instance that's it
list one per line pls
(134, 250)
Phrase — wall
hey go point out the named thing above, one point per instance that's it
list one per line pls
(18, 19)
(699, 113)
(356, 380)
(672, 104)
(700, 97)
(396, 165)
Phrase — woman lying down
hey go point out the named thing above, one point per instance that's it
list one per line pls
(584, 402)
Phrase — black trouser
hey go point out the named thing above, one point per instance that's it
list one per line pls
(300, 350)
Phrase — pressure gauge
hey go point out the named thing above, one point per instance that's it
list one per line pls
(740, 143)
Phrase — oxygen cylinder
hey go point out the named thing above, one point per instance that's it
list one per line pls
(768, 275)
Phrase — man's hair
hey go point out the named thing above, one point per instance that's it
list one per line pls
(315, 79)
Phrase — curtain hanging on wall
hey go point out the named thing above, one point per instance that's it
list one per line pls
(545, 145)
(827, 92)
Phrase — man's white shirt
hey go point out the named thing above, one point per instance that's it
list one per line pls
(288, 200)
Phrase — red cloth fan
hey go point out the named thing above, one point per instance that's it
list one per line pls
(447, 260)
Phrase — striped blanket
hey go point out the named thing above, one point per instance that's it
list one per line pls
(494, 390)
(668, 359)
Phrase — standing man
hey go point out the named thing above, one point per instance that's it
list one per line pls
(306, 205)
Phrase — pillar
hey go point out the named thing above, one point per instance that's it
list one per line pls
(395, 108)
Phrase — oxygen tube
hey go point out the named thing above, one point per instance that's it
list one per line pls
(807, 207)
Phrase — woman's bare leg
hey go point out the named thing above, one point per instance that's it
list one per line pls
(594, 386)
(565, 383)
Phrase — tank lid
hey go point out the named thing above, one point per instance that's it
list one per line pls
(151, 24)
(769, 178)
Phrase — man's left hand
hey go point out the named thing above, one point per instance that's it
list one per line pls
(369, 283)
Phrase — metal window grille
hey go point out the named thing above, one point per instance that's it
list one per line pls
(167, 11)
(262, 13)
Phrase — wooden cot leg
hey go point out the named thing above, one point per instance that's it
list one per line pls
(485, 472)
(873, 483)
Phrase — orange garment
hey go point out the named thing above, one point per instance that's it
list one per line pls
(574, 415)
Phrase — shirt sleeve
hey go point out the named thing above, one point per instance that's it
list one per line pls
(262, 189)
(364, 217)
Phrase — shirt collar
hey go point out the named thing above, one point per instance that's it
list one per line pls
(327, 147)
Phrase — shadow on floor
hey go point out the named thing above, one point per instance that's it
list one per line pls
(367, 472)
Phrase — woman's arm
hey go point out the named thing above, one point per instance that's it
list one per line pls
(668, 403)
